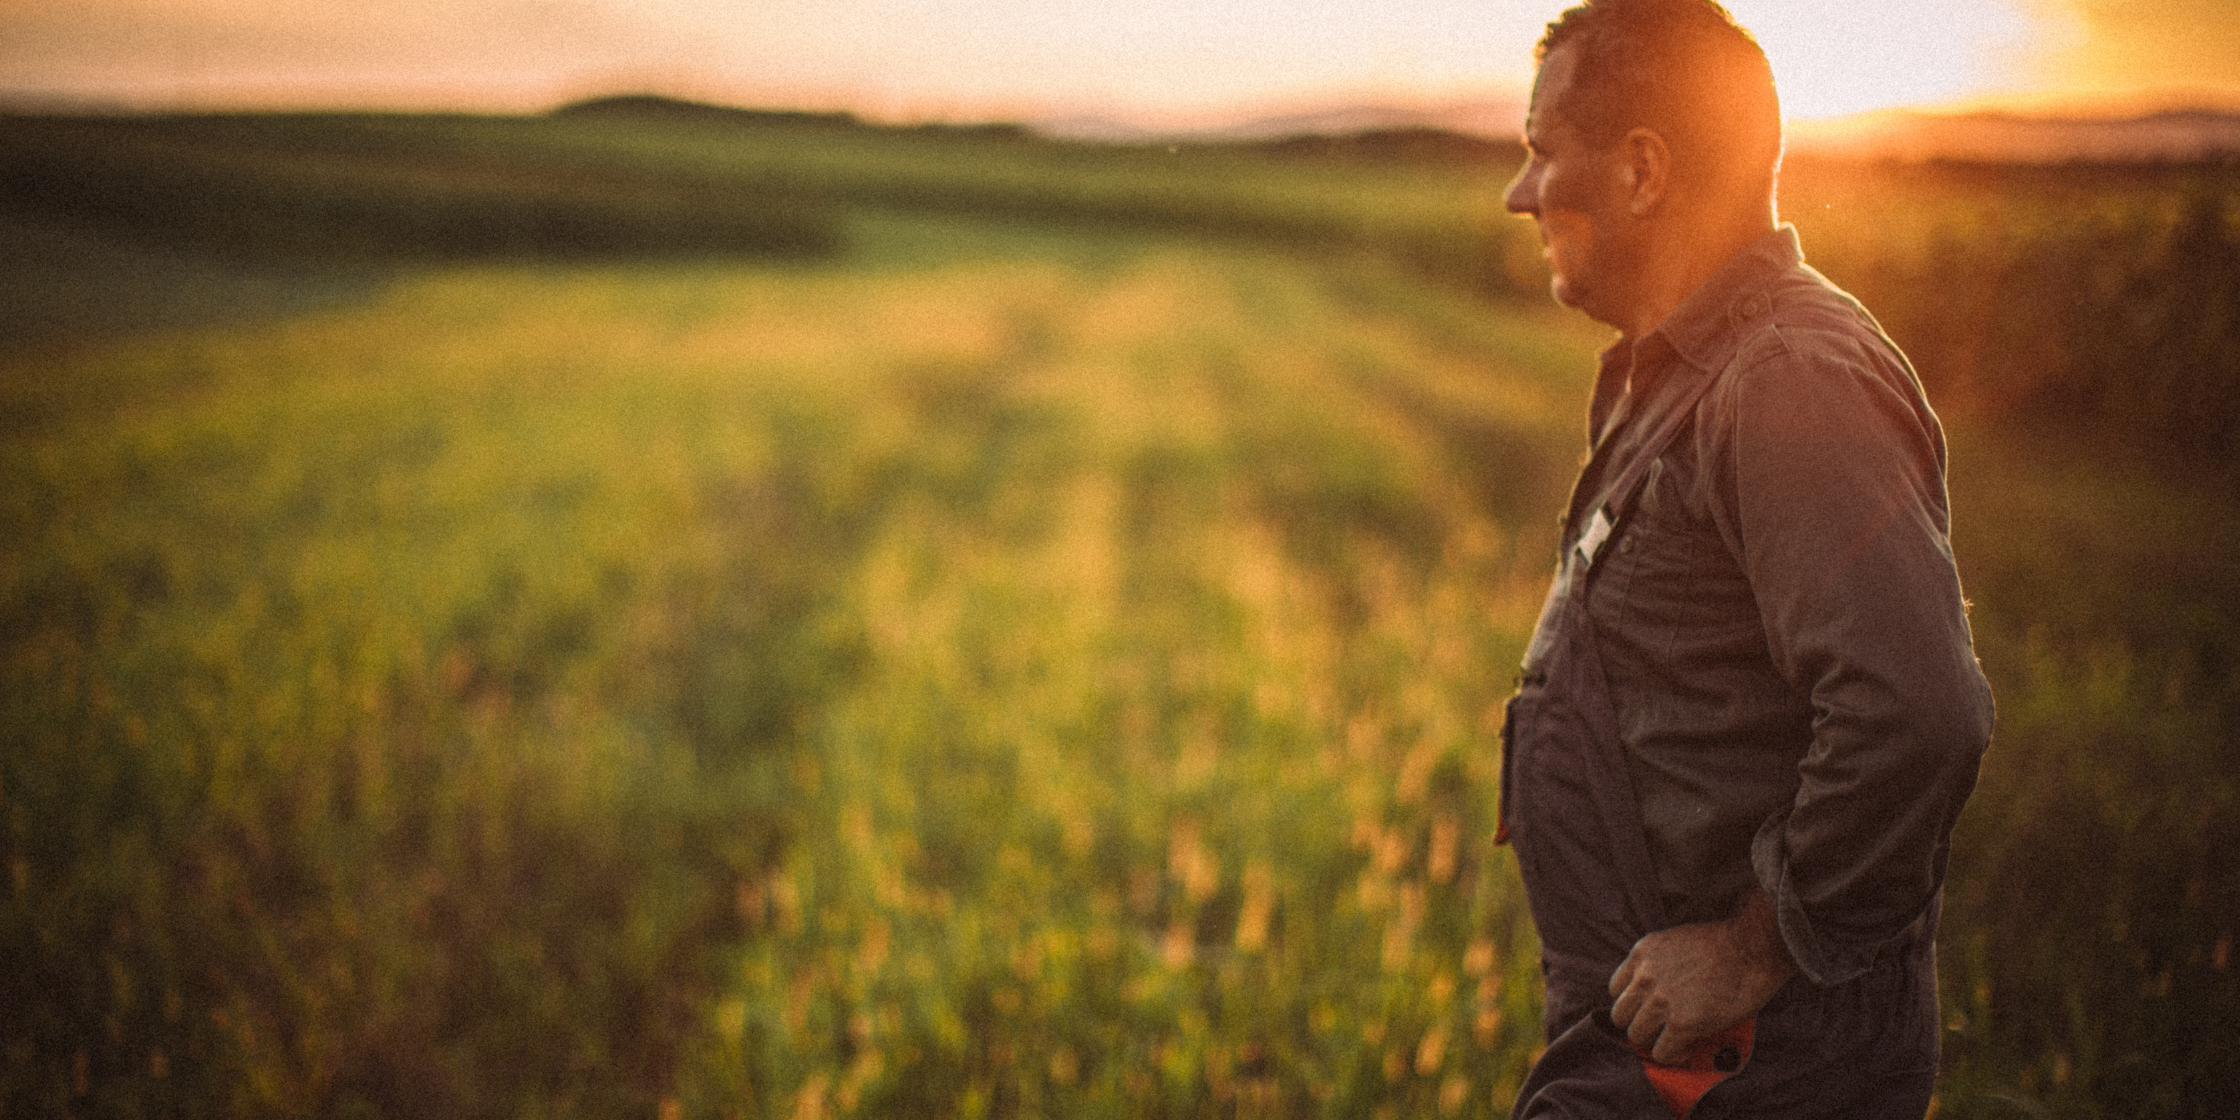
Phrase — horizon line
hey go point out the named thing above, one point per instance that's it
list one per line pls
(2072, 106)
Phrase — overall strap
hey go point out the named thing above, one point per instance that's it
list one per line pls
(1678, 1087)
(1617, 499)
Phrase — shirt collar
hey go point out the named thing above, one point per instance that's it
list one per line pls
(1706, 329)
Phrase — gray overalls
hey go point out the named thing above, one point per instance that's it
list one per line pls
(1864, 1048)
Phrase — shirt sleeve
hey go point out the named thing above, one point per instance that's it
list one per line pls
(1833, 498)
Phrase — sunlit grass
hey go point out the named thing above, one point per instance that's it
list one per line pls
(756, 686)
(1004, 669)
(1161, 796)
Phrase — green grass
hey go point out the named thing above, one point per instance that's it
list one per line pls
(1001, 680)
(994, 668)
(2091, 913)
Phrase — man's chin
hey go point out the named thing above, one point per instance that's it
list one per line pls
(1572, 299)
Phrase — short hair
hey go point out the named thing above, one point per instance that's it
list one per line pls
(1683, 68)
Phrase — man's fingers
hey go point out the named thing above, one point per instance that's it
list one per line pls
(1645, 1024)
(1672, 1047)
(1623, 978)
(1621, 1012)
(1647, 1034)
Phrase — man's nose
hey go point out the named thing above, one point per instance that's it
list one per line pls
(1524, 191)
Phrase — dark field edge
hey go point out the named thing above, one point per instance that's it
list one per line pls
(237, 193)
(2097, 301)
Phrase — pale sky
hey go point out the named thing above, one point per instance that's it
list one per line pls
(1150, 61)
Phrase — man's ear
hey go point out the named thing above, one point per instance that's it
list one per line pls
(1648, 170)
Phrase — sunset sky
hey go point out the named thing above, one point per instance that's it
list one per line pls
(1147, 61)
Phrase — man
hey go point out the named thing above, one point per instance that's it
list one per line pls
(1751, 711)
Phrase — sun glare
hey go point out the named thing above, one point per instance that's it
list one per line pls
(1833, 57)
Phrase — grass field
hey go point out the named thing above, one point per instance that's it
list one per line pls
(995, 668)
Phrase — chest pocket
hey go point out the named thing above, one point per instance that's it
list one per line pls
(1652, 521)
(1669, 569)
(1669, 515)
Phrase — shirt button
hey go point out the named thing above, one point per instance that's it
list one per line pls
(1626, 545)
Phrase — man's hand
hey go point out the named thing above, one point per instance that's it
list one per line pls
(1682, 985)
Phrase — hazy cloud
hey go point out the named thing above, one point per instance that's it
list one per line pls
(968, 57)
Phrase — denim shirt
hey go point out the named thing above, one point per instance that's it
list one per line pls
(1779, 617)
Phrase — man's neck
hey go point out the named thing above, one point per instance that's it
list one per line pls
(1679, 261)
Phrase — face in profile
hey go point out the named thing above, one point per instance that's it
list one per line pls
(1575, 189)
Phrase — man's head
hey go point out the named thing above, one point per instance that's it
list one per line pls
(1682, 68)
(1654, 124)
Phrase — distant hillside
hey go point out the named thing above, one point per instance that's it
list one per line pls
(646, 106)
(1396, 146)
(2171, 137)
(1497, 119)
(654, 107)
(1486, 129)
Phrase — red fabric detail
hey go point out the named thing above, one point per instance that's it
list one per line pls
(1682, 1085)
(1501, 832)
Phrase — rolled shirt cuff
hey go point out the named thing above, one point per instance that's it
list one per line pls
(1825, 958)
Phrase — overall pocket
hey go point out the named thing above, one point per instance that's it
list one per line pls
(1508, 756)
